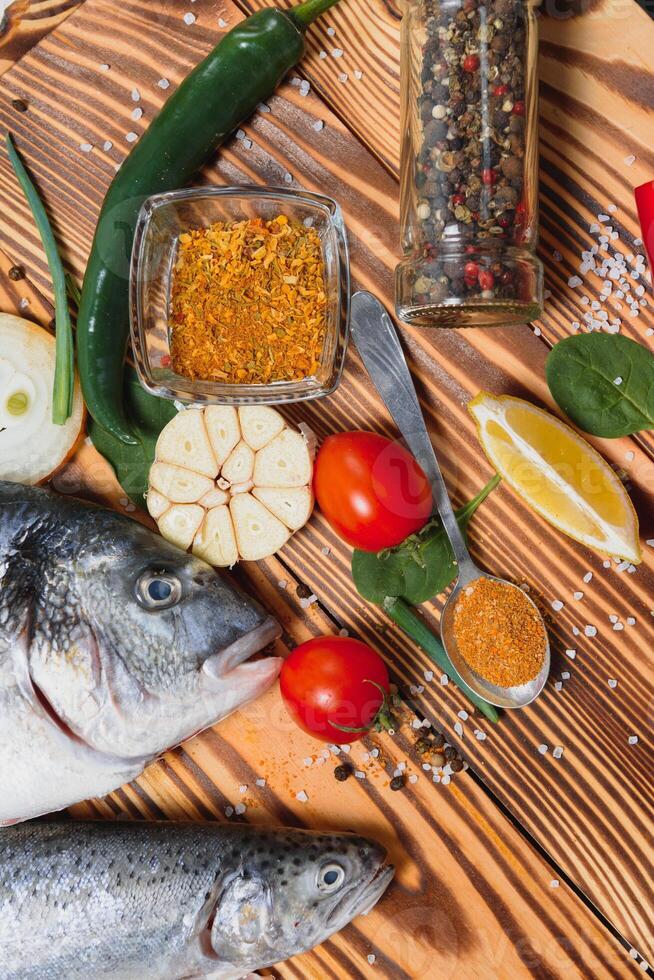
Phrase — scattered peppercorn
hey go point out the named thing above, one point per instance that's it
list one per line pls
(450, 753)
(423, 745)
(20, 105)
(499, 632)
(303, 591)
(397, 782)
(456, 765)
(16, 273)
(341, 773)
(439, 740)
(437, 759)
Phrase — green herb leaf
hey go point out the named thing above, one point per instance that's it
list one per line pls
(148, 415)
(420, 568)
(63, 388)
(604, 383)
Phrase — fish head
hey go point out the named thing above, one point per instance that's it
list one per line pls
(140, 645)
(291, 891)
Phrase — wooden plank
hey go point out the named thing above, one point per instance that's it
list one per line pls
(583, 815)
(24, 22)
(483, 903)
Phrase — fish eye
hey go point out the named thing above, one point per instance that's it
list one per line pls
(330, 878)
(158, 590)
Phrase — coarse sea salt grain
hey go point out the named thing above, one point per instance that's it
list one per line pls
(163, 83)
(429, 675)
(557, 605)
(587, 577)
(229, 811)
(189, 18)
(318, 125)
(557, 752)
(565, 675)
(554, 883)
(612, 682)
(301, 796)
(571, 653)
(543, 749)
(131, 137)
(633, 740)
(106, 146)
(371, 958)
(337, 53)
(444, 679)
(577, 595)
(558, 686)
(590, 630)
(243, 789)
(463, 714)
(260, 782)
(136, 95)
(630, 160)
(137, 113)
(458, 728)
(222, 23)
(86, 147)
(240, 809)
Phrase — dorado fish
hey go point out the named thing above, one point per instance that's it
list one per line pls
(114, 646)
(169, 901)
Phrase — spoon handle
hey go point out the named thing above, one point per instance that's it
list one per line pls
(377, 342)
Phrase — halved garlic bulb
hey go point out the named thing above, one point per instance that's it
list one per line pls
(230, 483)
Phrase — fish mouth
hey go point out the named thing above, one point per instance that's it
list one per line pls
(365, 897)
(221, 664)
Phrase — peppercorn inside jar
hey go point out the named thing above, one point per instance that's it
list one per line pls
(469, 164)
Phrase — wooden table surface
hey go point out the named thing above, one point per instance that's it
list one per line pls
(523, 864)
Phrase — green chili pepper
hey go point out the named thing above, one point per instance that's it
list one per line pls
(242, 70)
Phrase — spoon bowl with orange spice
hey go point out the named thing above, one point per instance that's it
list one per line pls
(491, 629)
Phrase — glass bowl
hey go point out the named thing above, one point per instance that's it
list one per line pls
(161, 220)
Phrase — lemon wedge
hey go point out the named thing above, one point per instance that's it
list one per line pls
(557, 473)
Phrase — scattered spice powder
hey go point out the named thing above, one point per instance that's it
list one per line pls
(499, 633)
(248, 302)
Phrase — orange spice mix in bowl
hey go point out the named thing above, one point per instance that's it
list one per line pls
(499, 632)
(248, 302)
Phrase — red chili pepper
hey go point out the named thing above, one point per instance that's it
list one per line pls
(645, 205)
(471, 63)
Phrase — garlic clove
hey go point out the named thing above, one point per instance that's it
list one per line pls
(259, 533)
(292, 505)
(223, 430)
(184, 442)
(259, 425)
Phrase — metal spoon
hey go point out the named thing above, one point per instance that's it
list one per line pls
(377, 342)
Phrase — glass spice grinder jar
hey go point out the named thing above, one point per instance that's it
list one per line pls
(469, 176)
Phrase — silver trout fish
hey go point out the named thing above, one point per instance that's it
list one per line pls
(114, 646)
(127, 901)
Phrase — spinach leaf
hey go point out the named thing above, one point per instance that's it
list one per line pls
(419, 568)
(148, 415)
(604, 383)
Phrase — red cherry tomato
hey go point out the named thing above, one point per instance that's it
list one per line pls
(334, 681)
(371, 490)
